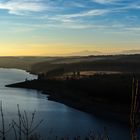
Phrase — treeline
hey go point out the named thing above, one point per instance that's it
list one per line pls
(115, 63)
(43, 64)
(24, 63)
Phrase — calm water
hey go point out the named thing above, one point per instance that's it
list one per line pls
(58, 118)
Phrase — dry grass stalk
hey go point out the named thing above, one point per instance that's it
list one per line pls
(134, 120)
(3, 131)
(25, 125)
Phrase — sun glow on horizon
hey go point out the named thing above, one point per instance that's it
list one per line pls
(59, 49)
(65, 27)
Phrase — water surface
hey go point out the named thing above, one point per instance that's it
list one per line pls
(59, 119)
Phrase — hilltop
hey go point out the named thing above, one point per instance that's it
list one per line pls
(122, 63)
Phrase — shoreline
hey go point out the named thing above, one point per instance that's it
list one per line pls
(99, 108)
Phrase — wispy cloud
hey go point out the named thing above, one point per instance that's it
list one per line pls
(69, 18)
(75, 4)
(105, 1)
(134, 5)
(95, 12)
(19, 7)
(75, 20)
(133, 29)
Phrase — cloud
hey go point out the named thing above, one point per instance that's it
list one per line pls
(67, 18)
(128, 6)
(133, 29)
(105, 1)
(77, 4)
(74, 21)
(95, 12)
(19, 7)
(133, 6)
(74, 17)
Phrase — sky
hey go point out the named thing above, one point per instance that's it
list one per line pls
(63, 27)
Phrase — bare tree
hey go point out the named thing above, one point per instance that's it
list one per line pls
(25, 125)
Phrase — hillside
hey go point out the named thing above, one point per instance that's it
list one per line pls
(121, 63)
(21, 62)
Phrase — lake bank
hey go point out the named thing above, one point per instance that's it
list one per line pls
(74, 93)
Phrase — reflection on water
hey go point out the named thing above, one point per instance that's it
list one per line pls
(58, 118)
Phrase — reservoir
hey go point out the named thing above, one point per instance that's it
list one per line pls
(58, 119)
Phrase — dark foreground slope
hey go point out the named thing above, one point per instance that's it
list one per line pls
(96, 93)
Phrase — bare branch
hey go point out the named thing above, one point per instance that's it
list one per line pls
(36, 126)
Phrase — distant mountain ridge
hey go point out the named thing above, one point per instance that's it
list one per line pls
(85, 53)
(88, 53)
(80, 53)
(130, 52)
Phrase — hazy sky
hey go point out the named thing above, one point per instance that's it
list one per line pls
(51, 27)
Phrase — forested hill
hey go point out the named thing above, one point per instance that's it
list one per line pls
(125, 63)
(122, 63)
(24, 63)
